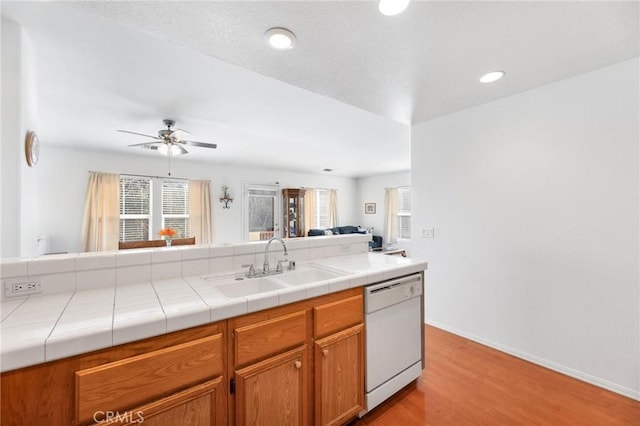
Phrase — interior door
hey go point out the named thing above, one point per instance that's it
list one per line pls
(261, 207)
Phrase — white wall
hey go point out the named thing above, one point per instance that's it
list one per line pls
(19, 114)
(535, 203)
(371, 190)
(10, 148)
(64, 173)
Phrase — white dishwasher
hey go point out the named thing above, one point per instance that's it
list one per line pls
(394, 319)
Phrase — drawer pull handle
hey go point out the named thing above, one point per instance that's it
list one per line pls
(325, 352)
(297, 364)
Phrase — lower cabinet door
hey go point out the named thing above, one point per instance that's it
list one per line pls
(273, 392)
(339, 376)
(200, 405)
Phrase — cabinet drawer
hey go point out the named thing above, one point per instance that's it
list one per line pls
(133, 381)
(259, 340)
(332, 317)
(197, 405)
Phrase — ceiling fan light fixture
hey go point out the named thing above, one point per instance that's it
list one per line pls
(392, 7)
(169, 149)
(492, 76)
(280, 38)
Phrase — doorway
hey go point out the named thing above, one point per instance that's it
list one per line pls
(261, 207)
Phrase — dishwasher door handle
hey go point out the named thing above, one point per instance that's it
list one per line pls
(389, 293)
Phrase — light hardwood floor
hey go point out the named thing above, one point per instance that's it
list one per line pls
(466, 383)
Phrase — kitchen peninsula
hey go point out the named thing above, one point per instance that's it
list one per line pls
(165, 340)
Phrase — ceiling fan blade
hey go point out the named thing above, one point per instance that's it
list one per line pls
(201, 144)
(182, 150)
(139, 134)
(144, 144)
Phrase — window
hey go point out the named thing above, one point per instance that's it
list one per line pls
(175, 206)
(148, 204)
(135, 208)
(404, 212)
(322, 209)
(261, 211)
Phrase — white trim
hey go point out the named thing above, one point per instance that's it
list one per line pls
(613, 387)
(246, 187)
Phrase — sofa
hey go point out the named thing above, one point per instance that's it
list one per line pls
(375, 244)
(336, 231)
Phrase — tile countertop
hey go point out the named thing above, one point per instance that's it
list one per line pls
(43, 328)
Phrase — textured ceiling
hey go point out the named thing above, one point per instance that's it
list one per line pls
(412, 67)
(343, 98)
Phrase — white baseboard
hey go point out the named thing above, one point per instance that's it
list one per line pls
(613, 387)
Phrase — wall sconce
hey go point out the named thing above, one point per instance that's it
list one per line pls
(226, 198)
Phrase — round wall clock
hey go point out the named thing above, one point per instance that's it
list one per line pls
(32, 148)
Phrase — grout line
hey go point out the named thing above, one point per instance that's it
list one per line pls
(55, 324)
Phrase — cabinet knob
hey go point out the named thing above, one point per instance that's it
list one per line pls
(297, 364)
(325, 352)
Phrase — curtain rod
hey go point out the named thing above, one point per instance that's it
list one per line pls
(316, 187)
(148, 176)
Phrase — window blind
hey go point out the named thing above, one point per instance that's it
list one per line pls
(404, 212)
(322, 208)
(175, 206)
(135, 203)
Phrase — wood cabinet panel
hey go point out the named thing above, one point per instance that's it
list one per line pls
(200, 405)
(339, 376)
(45, 393)
(273, 392)
(338, 315)
(257, 341)
(126, 383)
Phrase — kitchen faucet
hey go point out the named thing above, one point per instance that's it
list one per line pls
(265, 266)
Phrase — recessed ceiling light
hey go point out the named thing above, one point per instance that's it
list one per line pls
(392, 7)
(280, 38)
(492, 76)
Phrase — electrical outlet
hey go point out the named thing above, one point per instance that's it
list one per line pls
(22, 287)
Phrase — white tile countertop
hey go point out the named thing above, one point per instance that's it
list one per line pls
(41, 328)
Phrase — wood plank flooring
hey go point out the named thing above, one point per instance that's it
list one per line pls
(466, 383)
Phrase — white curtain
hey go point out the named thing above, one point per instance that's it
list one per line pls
(200, 211)
(333, 208)
(101, 222)
(309, 210)
(391, 215)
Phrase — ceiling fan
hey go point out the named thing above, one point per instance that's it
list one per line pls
(169, 141)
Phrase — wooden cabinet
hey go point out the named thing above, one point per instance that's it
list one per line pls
(293, 210)
(269, 355)
(179, 375)
(339, 377)
(198, 405)
(296, 364)
(123, 386)
(339, 361)
(273, 392)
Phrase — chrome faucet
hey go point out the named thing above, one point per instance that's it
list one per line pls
(265, 266)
